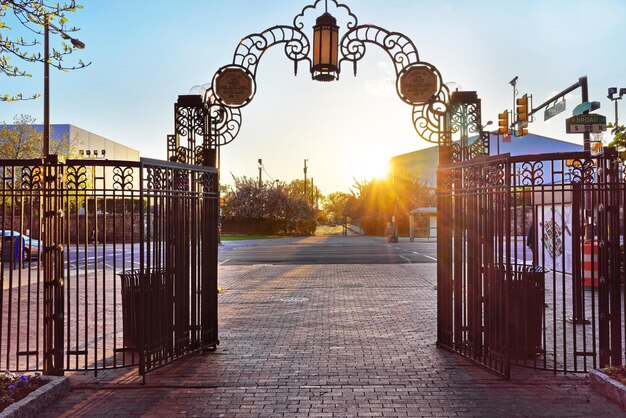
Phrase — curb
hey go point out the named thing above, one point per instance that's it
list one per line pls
(56, 388)
(608, 387)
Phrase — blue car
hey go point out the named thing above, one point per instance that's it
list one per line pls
(32, 247)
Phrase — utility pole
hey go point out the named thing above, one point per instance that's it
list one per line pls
(260, 173)
(312, 191)
(513, 83)
(584, 90)
(305, 167)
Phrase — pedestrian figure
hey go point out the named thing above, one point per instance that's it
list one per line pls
(530, 238)
(389, 232)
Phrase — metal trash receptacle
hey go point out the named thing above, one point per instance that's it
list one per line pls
(13, 250)
(526, 305)
(144, 308)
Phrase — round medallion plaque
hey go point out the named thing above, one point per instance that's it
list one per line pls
(234, 86)
(418, 84)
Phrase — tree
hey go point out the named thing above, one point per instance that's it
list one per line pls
(619, 140)
(267, 208)
(296, 191)
(376, 202)
(24, 141)
(34, 15)
(335, 206)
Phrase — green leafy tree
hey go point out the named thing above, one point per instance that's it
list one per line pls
(34, 15)
(295, 188)
(335, 206)
(374, 203)
(619, 139)
(23, 141)
(268, 206)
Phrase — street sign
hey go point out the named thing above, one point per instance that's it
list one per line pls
(557, 108)
(585, 107)
(585, 123)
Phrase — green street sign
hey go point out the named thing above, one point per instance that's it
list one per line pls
(585, 107)
(585, 123)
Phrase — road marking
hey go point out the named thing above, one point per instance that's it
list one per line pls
(225, 261)
(401, 256)
(424, 255)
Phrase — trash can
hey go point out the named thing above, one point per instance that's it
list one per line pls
(526, 305)
(13, 250)
(145, 308)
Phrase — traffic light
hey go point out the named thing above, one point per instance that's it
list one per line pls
(503, 122)
(522, 109)
(522, 116)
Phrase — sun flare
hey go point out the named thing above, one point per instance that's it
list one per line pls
(368, 167)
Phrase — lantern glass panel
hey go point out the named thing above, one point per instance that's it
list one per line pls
(316, 46)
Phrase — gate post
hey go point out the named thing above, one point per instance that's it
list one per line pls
(53, 300)
(211, 232)
(444, 243)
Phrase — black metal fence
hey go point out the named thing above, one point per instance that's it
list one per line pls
(106, 264)
(531, 261)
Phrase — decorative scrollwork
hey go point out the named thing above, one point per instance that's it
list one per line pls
(31, 178)
(180, 179)
(531, 173)
(77, 177)
(471, 176)
(429, 119)
(189, 119)
(208, 181)
(400, 49)
(464, 118)
(123, 178)
(172, 148)
(352, 21)
(156, 178)
(181, 155)
(251, 48)
(478, 148)
(225, 121)
(582, 171)
(457, 152)
(495, 174)
(199, 155)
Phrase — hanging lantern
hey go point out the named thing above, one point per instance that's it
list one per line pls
(325, 48)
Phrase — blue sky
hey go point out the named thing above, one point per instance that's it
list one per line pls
(145, 53)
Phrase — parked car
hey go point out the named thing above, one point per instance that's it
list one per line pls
(32, 247)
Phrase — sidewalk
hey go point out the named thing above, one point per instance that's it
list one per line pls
(329, 341)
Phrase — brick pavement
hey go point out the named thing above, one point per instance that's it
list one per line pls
(329, 341)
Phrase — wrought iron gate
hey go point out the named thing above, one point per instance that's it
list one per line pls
(531, 260)
(117, 266)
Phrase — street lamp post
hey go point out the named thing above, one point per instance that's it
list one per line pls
(46, 78)
(614, 97)
(51, 229)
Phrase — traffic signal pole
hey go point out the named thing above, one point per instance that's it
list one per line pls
(582, 84)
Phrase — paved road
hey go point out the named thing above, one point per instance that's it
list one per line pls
(328, 341)
(326, 250)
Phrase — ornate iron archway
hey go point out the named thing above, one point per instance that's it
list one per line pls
(212, 116)
(214, 111)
